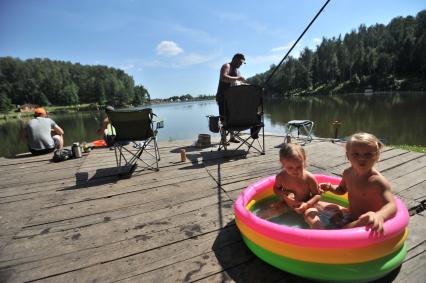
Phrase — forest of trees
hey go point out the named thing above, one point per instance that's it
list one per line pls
(386, 57)
(189, 97)
(46, 82)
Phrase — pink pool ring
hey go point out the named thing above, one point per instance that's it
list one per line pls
(355, 254)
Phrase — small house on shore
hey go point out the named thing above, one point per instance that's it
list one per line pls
(26, 108)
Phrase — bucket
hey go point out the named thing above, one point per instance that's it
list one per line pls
(214, 124)
(204, 140)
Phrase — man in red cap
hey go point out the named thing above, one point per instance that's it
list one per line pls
(43, 135)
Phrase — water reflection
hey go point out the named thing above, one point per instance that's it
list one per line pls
(396, 118)
(77, 126)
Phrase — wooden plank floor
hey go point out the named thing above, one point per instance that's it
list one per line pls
(76, 221)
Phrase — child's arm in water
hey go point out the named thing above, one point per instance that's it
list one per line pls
(375, 220)
(278, 187)
(305, 205)
(276, 208)
(315, 193)
(288, 198)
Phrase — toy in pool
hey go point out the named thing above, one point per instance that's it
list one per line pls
(355, 254)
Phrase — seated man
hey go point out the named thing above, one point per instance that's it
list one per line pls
(42, 134)
(106, 129)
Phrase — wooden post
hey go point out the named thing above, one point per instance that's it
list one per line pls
(336, 126)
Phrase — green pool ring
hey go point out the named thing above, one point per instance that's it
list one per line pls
(335, 199)
(365, 271)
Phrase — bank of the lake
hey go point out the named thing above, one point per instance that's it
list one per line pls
(61, 109)
(415, 148)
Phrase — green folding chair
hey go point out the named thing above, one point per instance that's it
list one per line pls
(243, 107)
(136, 138)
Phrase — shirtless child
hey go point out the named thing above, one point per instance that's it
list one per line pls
(370, 198)
(299, 191)
(297, 187)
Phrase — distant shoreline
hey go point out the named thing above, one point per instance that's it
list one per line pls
(4, 117)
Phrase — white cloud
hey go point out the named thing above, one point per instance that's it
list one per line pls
(127, 67)
(195, 58)
(179, 62)
(232, 17)
(262, 59)
(195, 34)
(285, 47)
(245, 21)
(316, 40)
(156, 64)
(274, 57)
(168, 48)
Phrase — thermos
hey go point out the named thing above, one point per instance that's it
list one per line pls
(182, 155)
(288, 139)
(76, 150)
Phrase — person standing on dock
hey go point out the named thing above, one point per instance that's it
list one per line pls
(42, 134)
(229, 76)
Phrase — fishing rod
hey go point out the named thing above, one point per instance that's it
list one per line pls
(289, 51)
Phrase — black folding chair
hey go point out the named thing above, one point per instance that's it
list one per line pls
(136, 138)
(243, 110)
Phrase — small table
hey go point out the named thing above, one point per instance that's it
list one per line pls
(305, 125)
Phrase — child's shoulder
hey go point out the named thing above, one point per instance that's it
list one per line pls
(309, 175)
(347, 170)
(280, 176)
(379, 180)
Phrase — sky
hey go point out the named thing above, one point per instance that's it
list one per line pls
(178, 47)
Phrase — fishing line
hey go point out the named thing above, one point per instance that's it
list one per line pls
(289, 51)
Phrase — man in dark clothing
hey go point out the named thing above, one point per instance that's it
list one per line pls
(229, 76)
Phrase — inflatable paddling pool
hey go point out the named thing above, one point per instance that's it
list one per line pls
(349, 255)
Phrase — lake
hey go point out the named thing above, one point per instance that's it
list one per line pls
(396, 118)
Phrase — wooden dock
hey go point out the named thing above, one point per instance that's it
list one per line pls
(76, 221)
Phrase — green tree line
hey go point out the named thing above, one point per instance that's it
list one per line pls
(190, 97)
(386, 57)
(47, 82)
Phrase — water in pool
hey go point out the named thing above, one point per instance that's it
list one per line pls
(265, 208)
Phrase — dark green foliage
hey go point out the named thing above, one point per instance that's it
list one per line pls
(181, 98)
(5, 103)
(385, 57)
(47, 82)
(141, 94)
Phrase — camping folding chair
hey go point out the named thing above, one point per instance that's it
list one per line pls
(305, 125)
(243, 110)
(136, 138)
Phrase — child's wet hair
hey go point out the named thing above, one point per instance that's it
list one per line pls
(293, 151)
(365, 138)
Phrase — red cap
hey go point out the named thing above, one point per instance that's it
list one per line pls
(39, 111)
